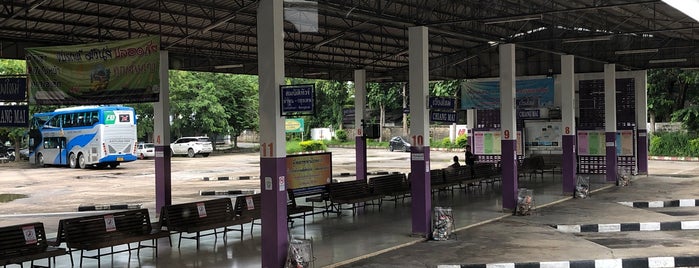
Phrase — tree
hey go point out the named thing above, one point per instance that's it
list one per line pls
(195, 105)
(672, 95)
(145, 123)
(239, 97)
(384, 96)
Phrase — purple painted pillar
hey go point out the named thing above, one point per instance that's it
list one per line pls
(275, 236)
(163, 182)
(420, 189)
(642, 149)
(508, 162)
(360, 153)
(611, 161)
(568, 169)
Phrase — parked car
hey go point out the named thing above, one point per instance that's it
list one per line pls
(398, 143)
(192, 146)
(145, 150)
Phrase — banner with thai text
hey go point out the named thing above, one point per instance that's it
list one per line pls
(485, 95)
(125, 71)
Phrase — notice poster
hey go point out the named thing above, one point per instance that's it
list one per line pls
(29, 234)
(201, 209)
(308, 170)
(624, 144)
(592, 142)
(490, 143)
(109, 223)
(249, 202)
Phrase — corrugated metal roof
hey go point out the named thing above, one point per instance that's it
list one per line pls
(371, 34)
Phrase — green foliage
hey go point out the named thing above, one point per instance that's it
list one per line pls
(309, 146)
(674, 144)
(446, 143)
(689, 117)
(293, 147)
(461, 141)
(341, 135)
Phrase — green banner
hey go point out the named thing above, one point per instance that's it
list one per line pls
(125, 71)
(294, 125)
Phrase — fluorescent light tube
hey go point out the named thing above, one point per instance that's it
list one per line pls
(538, 17)
(636, 51)
(667, 60)
(591, 39)
(230, 66)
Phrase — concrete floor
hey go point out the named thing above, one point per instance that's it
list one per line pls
(484, 234)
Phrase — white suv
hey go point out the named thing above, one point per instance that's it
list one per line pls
(192, 146)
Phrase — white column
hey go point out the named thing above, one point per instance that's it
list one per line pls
(418, 71)
(610, 121)
(161, 129)
(508, 126)
(270, 55)
(359, 99)
(641, 121)
(568, 168)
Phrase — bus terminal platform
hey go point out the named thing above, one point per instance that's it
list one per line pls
(598, 231)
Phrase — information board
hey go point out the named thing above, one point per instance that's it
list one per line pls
(592, 142)
(489, 143)
(543, 135)
(307, 170)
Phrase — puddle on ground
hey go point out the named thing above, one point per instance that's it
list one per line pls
(4, 198)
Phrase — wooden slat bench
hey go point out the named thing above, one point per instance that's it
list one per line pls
(95, 232)
(456, 176)
(352, 193)
(296, 211)
(486, 173)
(26, 242)
(437, 182)
(249, 207)
(313, 194)
(197, 217)
(393, 186)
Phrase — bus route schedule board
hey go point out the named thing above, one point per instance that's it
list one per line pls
(591, 142)
(308, 170)
(489, 143)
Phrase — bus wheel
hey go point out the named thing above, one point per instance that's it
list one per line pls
(40, 160)
(81, 161)
(113, 165)
(190, 153)
(72, 161)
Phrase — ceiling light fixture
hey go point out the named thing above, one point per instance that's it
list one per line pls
(668, 60)
(635, 51)
(591, 39)
(230, 66)
(688, 7)
(514, 19)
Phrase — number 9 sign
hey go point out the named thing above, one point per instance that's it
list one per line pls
(507, 134)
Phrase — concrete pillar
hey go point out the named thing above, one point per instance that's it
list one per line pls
(508, 127)
(470, 125)
(569, 168)
(270, 54)
(418, 72)
(610, 120)
(641, 121)
(161, 130)
(359, 108)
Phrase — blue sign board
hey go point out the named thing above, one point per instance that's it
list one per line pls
(13, 89)
(14, 116)
(441, 103)
(485, 95)
(449, 117)
(297, 99)
(528, 114)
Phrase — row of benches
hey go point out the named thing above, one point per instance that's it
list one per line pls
(28, 242)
